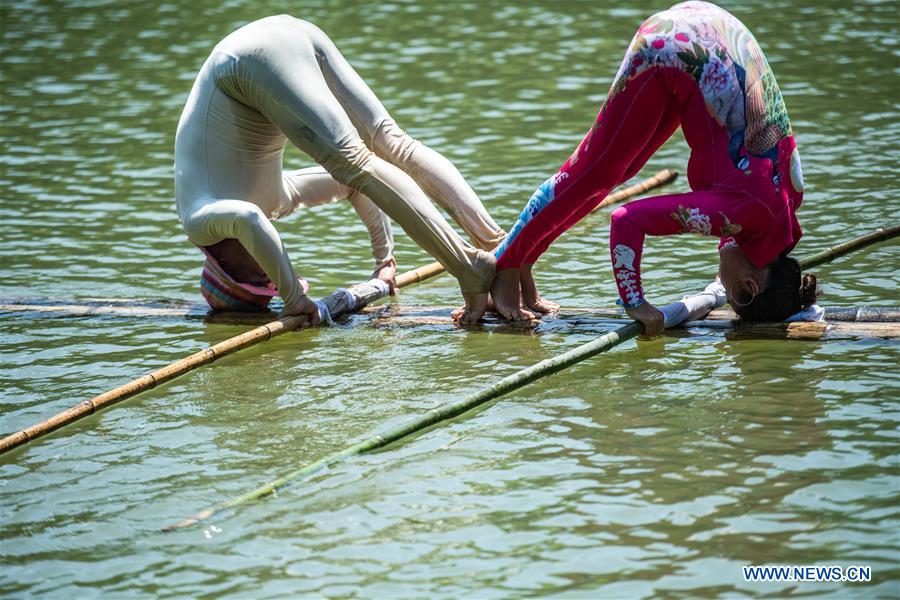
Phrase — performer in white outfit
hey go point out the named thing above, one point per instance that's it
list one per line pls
(281, 78)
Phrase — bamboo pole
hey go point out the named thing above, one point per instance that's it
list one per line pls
(508, 384)
(435, 415)
(42, 306)
(420, 274)
(852, 322)
(879, 235)
(250, 338)
(585, 322)
(802, 330)
(662, 178)
(854, 314)
(336, 302)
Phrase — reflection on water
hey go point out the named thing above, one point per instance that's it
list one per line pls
(658, 469)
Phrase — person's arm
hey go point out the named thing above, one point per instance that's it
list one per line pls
(695, 306)
(245, 222)
(703, 213)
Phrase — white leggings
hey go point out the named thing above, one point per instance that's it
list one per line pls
(282, 78)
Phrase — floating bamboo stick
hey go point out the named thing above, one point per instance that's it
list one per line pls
(74, 308)
(435, 415)
(453, 409)
(420, 274)
(250, 338)
(802, 330)
(662, 178)
(337, 304)
(879, 235)
(853, 322)
(854, 314)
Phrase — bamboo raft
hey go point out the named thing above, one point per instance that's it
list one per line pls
(854, 322)
(840, 323)
(343, 302)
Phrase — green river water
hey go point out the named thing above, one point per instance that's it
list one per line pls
(656, 470)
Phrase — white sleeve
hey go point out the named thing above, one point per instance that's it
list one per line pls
(696, 306)
(244, 221)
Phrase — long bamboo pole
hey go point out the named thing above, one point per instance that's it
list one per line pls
(662, 178)
(250, 338)
(435, 415)
(504, 386)
(336, 303)
(879, 235)
(841, 323)
(853, 314)
(43, 306)
(585, 323)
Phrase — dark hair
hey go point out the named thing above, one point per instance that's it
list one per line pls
(784, 295)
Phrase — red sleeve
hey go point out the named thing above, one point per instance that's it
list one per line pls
(721, 214)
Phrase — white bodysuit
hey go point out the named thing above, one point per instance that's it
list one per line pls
(281, 78)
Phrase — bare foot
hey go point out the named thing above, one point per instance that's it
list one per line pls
(530, 295)
(471, 313)
(508, 298)
(542, 305)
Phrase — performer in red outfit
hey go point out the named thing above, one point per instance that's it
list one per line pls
(697, 66)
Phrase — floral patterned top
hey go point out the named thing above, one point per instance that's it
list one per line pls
(726, 61)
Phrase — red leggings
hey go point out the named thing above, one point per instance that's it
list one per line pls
(628, 131)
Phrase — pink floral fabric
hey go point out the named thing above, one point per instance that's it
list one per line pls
(721, 54)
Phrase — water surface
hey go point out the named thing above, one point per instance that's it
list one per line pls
(657, 470)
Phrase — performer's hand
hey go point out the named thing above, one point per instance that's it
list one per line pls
(303, 307)
(652, 319)
(388, 274)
